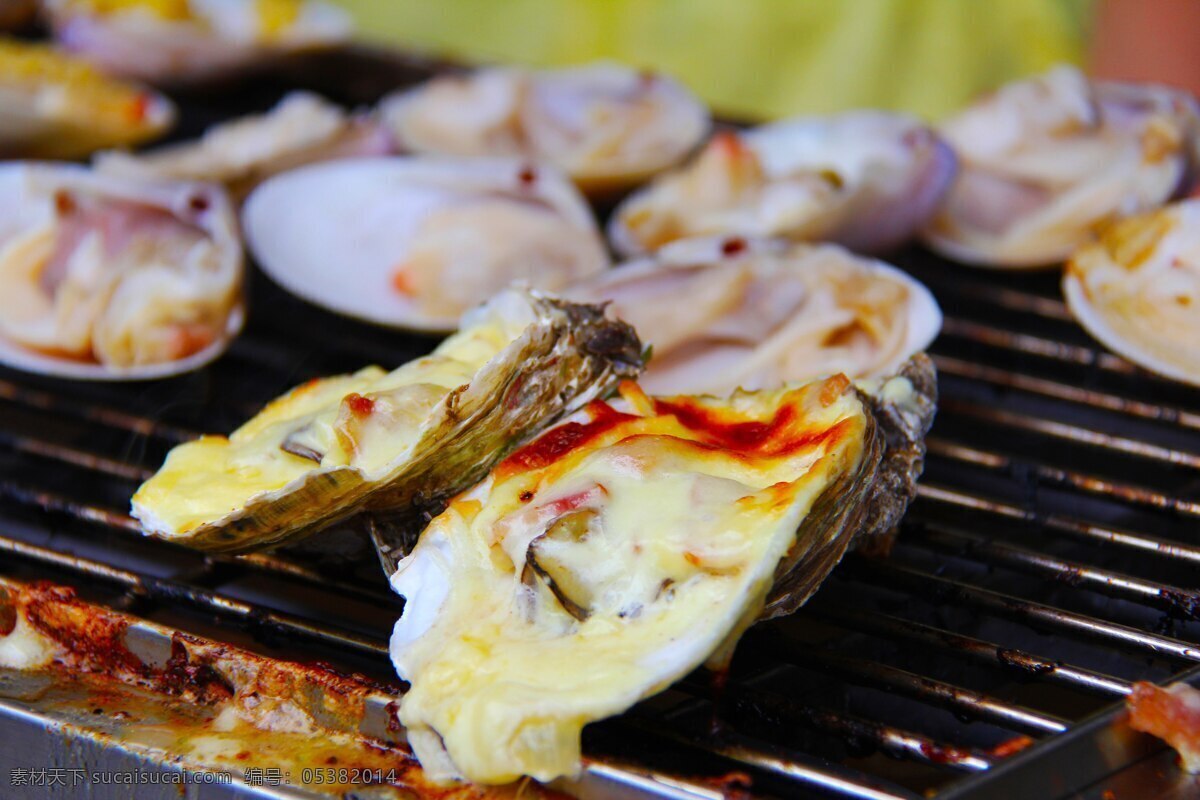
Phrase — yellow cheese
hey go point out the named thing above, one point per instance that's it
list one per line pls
(602, 562)
(205, 480)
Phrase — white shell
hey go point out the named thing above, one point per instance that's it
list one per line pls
(338, 233)
(606, 126)
(865, 179)
(223, 37)
(721, 314)
(33, 187)
(1137, 290)
(1047, 161)
(302, 128)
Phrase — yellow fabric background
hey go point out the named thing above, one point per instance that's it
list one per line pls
(760, 58)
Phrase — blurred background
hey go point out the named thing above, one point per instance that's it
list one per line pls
(757, 59)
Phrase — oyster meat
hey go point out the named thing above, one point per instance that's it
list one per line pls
(113, 278)
(866, 179)
(1045, 162)
(414, 242)
(720, 314)
(173, 42)
(606, 126)
(1170, 713)
(56, 106)
(1137, 290)
(303, 128)
(392, 443)
(626, 547)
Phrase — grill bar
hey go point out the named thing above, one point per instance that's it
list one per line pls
(1081, 530)
(1179, 601)
(1092, 484)
(938, 693)
(1037, 615)
(977, 649)
(110, 417)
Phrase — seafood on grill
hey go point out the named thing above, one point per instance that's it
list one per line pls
(606, 126)
(724, 313)
(395, 443)
(1137, 290)
(301, 129)
(53, 105)
(108, 278)
(414, 242)
(1170, 713)
(1047, 161)
(174, 42)
(865, 179)
(629, 545)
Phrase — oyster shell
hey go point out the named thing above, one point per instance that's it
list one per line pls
(415, 242)
(606, 126)
(628, 546)
(866, 179)
(173, 42)
(301, 129)
(114, 279)
(720, 314)
(391, 443)
(1137, 290)
(55, 106)
(1046, 161)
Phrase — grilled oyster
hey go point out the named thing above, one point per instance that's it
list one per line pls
(303, 128)
(629, 545)
(606, 126)
(114, 279)
(170, 42)
(721, 314)
(1046, 161)
(415, 242)
(1137, 290)
(867, 180)
(56, 106)
(390, 442)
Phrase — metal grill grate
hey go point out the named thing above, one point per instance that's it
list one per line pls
(1045, 566)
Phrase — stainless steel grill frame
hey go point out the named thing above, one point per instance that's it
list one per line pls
(1045, 566)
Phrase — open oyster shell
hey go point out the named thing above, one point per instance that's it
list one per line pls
(1045, 162)
(606, 126)
(55, 106)
(724, 313)
(628, 546)
(114, 279)
(866, 179)
(173, 42)
(392, 443)
(414, 242)
(1137, 290)
(302, 128)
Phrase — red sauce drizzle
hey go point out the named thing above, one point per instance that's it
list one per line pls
(770, 438)
(554, 444)
(359, 406)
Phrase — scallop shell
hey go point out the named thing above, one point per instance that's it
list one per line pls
(97, 324)
(414, 242)
(542, 600)
(865, 179)
(303, 128)
(720, 314)
(1046, 162)
(1137, 290)
(208, 39)
(606, 126)
(393, 444)
(56, 106)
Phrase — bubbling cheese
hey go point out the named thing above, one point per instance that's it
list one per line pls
(602, 562)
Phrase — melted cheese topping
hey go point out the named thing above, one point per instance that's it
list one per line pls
(1138, 289)
(24, 647)
(602, 562)
(368, 420)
